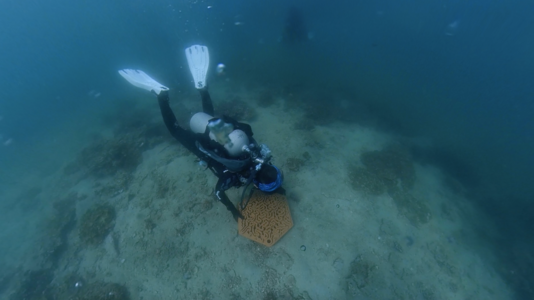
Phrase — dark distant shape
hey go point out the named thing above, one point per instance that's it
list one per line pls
(294, 29)
(449, 162)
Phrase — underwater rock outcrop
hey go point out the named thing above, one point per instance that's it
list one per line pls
(237, 109)
(96, 224)
(107, 157)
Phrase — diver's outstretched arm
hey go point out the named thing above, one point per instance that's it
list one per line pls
(222, 185)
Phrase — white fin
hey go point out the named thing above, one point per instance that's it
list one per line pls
(140, 79)
(198, 59)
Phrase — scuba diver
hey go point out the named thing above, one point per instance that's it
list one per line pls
(294, 29)
(226, 145)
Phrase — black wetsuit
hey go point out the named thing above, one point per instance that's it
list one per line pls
(192, 140)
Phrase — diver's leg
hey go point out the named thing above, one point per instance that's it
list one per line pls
(198, 60)
(207, 105)
(185, 137)
(140, 79)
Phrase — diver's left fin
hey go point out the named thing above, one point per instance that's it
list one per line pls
(198, 59)
(140, 79)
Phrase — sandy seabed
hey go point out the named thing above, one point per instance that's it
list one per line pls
(171, 239)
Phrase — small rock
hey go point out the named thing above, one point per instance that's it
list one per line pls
(338, 264)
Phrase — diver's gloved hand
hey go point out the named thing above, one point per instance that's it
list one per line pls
(237, 215)
(224, 199)
(140, 79)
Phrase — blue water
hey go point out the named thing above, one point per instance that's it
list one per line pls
(458, 73)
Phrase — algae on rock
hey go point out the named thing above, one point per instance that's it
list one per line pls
(96, 224)
(391, 170)
(384, 170)
(367, 182)
(106, 157)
